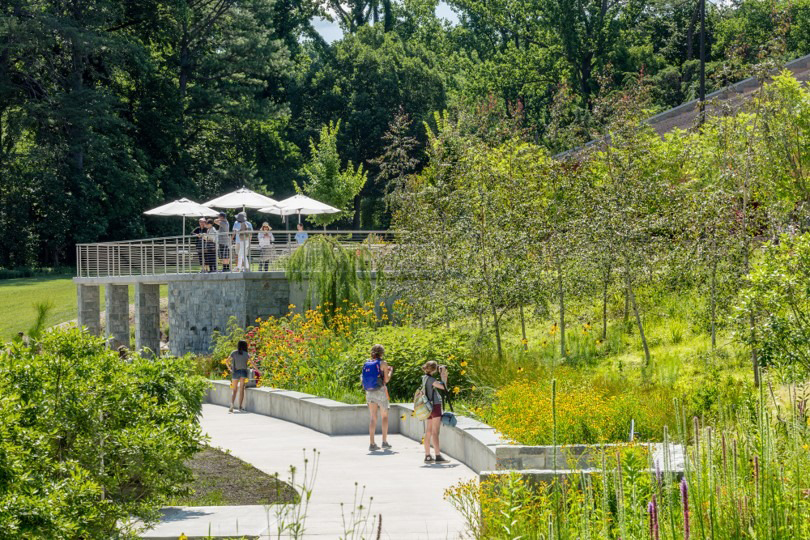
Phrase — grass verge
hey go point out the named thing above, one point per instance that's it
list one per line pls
(221, 479)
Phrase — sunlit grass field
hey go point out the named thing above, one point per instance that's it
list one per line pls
(19, 297)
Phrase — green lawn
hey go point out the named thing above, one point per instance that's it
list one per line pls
(19, 296)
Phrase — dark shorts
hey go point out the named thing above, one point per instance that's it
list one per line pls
(224, 251)
(239, 374)
(437, 411)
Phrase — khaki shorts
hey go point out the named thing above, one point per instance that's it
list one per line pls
(380, 397)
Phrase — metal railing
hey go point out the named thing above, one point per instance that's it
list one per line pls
(210, 252)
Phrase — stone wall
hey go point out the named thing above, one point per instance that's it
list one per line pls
(147, 317)
(199, 307)
(89, 310)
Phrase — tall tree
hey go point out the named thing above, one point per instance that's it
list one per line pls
(325, 181)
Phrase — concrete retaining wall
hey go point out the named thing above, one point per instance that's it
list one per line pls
(470, 442)
(473, 443)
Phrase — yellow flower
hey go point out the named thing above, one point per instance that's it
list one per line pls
(456, 389)
(182, 536)
(524, 341)
(463, 371)
(291, 306)
(473, 388)
(464, 363)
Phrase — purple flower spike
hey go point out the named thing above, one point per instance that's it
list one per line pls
(652, 510)
(685, 500)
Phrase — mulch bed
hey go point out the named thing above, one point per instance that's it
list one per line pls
(221, 479)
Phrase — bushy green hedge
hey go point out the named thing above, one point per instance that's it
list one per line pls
(407, 349)
(89, 440)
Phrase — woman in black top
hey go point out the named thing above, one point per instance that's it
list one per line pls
(434, 421)
(210, 241)
(199, 233)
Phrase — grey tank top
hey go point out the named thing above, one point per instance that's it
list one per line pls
(239, 360)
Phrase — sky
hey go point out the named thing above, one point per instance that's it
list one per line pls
(331, 31)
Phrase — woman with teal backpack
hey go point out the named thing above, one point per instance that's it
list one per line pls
(433, 424)
(375, 377)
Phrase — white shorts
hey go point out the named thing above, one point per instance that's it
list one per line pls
(380, 397)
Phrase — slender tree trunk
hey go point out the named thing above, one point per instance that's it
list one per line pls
(443, 258)
(714, 304)
(605, 285)
(626, 305)
(638, 322)
(356, 216)
(690, 30)
(497, 330)
(561, 293)
(523, 329)
(746, 247)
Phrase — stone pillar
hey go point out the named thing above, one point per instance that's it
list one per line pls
(147, 317)
(89, 308)
(117, 315)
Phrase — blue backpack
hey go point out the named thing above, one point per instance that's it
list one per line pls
(372, 375)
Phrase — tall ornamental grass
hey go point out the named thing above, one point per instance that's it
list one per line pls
(748, 480)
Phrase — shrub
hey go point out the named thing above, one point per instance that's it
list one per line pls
(89, 440)
(407, 349)
(778, 300)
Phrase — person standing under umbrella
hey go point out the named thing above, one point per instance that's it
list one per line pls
(224, 241)
(210, 242)
(266, 240)
(242, 232)
(198, 233)
(301, 236)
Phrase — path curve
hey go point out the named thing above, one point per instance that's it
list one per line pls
(408, 494)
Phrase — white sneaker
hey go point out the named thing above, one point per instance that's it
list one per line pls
(230, 409)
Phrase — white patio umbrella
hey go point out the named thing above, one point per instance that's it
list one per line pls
(298, 205)
(182, 207)
(242, 198)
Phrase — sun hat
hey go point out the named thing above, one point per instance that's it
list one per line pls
(241, 217)
(265, 224)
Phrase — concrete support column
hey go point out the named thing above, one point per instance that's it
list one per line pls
(147, 317)
(89, 308)
(117, 315)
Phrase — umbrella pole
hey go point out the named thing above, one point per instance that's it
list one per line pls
(183, 243)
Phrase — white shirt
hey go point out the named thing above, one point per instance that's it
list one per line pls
(266, 238)
(242, 226)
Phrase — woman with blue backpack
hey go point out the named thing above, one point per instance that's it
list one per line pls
(375, 377)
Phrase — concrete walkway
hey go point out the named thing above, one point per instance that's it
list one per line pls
(407, 493)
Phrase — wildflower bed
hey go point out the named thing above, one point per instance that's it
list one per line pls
(301, 352)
